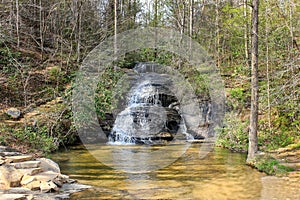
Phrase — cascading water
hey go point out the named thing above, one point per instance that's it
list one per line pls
(152, 112)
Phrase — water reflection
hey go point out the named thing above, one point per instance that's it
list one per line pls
(220, 175)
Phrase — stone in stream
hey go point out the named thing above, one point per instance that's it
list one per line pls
(13, 113)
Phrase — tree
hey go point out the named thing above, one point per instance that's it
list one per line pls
(253, 146)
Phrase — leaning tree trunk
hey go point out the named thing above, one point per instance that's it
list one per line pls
(253, 147)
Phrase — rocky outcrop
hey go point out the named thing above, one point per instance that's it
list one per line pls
(24, 177)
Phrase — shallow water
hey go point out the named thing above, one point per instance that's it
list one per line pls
(219, 175)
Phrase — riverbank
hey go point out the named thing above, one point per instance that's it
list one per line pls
(24, 177)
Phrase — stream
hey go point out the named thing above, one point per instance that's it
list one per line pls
(221, 174)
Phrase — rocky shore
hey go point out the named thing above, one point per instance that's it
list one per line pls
(23, 177)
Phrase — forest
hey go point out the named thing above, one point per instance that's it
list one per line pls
(43, 43)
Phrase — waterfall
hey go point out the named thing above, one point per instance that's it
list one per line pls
(152, 113)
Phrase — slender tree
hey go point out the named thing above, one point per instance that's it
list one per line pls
(115, 30)
(17, 23)
(253, 146)
(246, 33)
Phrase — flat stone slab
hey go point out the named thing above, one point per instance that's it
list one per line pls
(13, 197)
(10, 153)
(31, 171)
(18, 190)
(26, 164)
(46, 176)
(15, 159)
(27, 179)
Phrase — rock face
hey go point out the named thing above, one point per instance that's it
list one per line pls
(23, 177)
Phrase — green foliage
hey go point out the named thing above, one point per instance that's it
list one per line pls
(270, 166)
(36, 138)
(275, 138)
(238, 94)
(146, 55)
(6, 59)
(198, 82)
(104, 91)
(234, 134)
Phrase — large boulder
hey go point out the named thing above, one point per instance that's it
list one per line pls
(48, 165)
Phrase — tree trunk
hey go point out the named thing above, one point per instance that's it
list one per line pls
(253, 147)
(41, 18)
(246, 46)
(217, 33)
(17, 23)
(115, 31)
(79, 13)
(268, 62)
(191, 17)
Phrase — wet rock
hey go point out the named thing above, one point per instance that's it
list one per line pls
(49, 165)
(72, 188)
(13, 113)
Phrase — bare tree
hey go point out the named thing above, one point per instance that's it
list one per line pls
(253, 146)
(17, 23)
(115, 29)
(267, 12)
(246, 46)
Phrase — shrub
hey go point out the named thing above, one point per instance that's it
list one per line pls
(234, 134)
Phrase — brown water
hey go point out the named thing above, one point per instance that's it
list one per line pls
(220, 175)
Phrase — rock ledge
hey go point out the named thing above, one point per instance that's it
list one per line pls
(24, 177)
